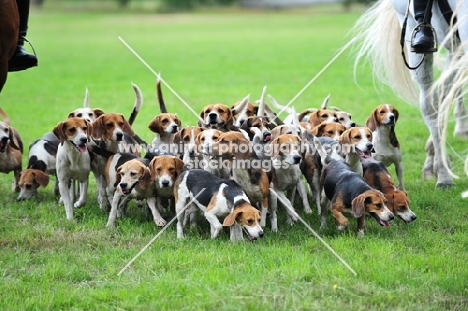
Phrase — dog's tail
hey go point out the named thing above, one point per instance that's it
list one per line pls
(325, 102)
(162, 105)
(261, 105)
(137, 105)
(4, 116)
(271, 114)
(86, 99)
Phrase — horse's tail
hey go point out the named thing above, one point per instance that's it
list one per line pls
(378, 34)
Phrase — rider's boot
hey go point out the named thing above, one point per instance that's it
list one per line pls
(423, 38)
(22, 60)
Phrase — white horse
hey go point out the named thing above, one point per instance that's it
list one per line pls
(379, 32)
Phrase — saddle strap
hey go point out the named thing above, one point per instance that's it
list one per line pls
(447, 13)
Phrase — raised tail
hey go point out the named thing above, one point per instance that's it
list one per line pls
(137, 105)
(162, 105)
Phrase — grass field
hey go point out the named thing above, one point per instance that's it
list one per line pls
(49, 263)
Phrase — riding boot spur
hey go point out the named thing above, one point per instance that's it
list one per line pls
(423, 37)
(22, 60)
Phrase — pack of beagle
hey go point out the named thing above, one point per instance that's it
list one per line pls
(320, 156)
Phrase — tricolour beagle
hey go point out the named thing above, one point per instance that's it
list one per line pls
(11, 150)
(184, 140)
(247, 171)
(73, 161)
(216, 198)
(42, 158)
(129, 177)
(387, 148)
(378, 177)
(217, 116)
(164, 125)
(355, 144)
(330, 129)
(285, 151)
(348, 192)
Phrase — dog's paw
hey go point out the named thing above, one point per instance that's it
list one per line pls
(79, 204)
(308, 210)
(360, 233)
(340, 227)
(160, 222)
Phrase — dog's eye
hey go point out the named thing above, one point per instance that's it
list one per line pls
(28, 186)
(221, 110)
(109, 125)
(330, 132)
(378, 205)
(382, 111)
(401, 207)
(357, 137)
(164, 121)
(133, 174)
(250, 222)
(186, 138)
(85, 128)
(79, 115)
(72, 130)
(324, 116)
(121, 124)
(122, 174)
(90, 114)
(368, 136)
(341, 119)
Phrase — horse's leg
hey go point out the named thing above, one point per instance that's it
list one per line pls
(428, 103)
(461, 119)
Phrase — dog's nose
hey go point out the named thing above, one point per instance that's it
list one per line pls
(119, 136)
(165, 183)
(369, 146)
(174, 128)
(213, 116)
(4, 140)
(84, 140)
(392, 118)
(353, 124)
(391, 216)
(123, 185)
(261, 234)
(413, 217)
(297, 158)
(335, 120)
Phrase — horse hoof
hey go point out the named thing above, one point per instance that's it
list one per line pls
(445, 185)
(428, 174)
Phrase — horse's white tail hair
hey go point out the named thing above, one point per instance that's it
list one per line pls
(378, 35)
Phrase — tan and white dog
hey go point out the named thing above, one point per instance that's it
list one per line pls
(382, 123)
(11, 150)
(218, 117)
(73, 161)
(355, 144)
(216, 198)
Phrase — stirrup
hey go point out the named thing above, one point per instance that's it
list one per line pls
(425, 50)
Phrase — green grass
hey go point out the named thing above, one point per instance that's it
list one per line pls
(47, 262)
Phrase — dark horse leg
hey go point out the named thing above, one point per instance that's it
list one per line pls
(9, 29)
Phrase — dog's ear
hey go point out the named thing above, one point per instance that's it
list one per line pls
(145, 179)
(273, 149)
(358, 205)
(89, 131)
(98, 112)
(372, 121)
(41, 178)
(152, 166)
(177, 121)
(177, 138)
(155, 126)
(126, 127)
(179, 164)
(71, 115)
(317, 130)
(117, 175)
(59, 130)
(396, 114)
(15, 141)
(98, 127)
(231, 218)
(345, 143)
(230, 119)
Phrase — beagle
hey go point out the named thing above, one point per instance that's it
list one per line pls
(285, 151)
(204, 144)
(42, 159)
(247, 171)
(109, 131)
(378, 177)
(216, 198)
(11, 150)
(164, 126)
(242, 110)
(218, 117)
(184, 139)
(73, 161)
(257, 128)
(86, 112)
(164, 171)
(331, 129)
(382, 122)
(355, 144)
(349, 193)
(129, 177)
(318, 116)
